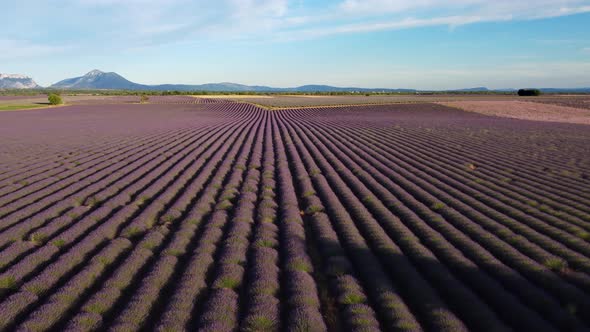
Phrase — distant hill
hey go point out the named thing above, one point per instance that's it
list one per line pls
(565, 90)
(225, 86)
(98, 80)
(15, 81)
(478, 89)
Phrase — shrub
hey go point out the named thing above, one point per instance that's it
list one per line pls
(258, 322)
(229, 282)
(352, 298)
(437, 206)
(54, 99)
(59, 243)
(91, 201)
(38, 238)
(314, 209)
(8, 282)
(583, 235)
(141, 201)
(556, 264)
(144, 99)
(529, 92)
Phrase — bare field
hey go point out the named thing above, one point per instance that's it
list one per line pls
(574, 101)
(536, 111)
(4, 99)
(31, 102)
(232, 96)
(286, 101)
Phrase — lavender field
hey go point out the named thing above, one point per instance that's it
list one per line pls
(212, 215)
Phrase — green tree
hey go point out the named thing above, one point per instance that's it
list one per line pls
(529, 92)
(54, 99)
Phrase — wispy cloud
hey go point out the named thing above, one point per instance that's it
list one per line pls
(11, 49)
(108, 26)
(518, 9)
(404, 23)
(272, 18)
(380, 15)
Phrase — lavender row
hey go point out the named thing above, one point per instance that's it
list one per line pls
(580, 279)
(89, 177)
(61, 173)
(351, 299)
(450, 137)
(104, 165)
(516, 218)
(85, 197)
(423, 296)
(102, 302)
(262, 286)
(54, 167)
(540, 238)
(521, 169)
(221, 308)
(67, 296)
(107, 229)
(522, 182)
(139, 307)
(450, 255)
(560, 315)
(503, 189)
(73, 175)
(44, 234)
(49, 166)
(300, 289)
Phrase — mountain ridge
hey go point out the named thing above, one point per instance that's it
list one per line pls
(99, 80)
(17, 81)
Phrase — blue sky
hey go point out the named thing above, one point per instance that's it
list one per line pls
(424, 44)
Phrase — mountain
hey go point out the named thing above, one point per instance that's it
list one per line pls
(225, 86)
(477, 89)
(97, 79)
(13, 81)
(565, 90)
(551, 90)
(328, 88)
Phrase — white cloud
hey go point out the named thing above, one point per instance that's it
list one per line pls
(405, 23)
(136, 24)
(166, 20)
(404, 14)
(258, 8)
(515, 8)
(381, 6)
(358, 16)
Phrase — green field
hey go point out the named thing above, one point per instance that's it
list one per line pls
(10, 107)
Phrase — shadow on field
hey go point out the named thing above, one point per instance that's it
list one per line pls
(533, 307)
